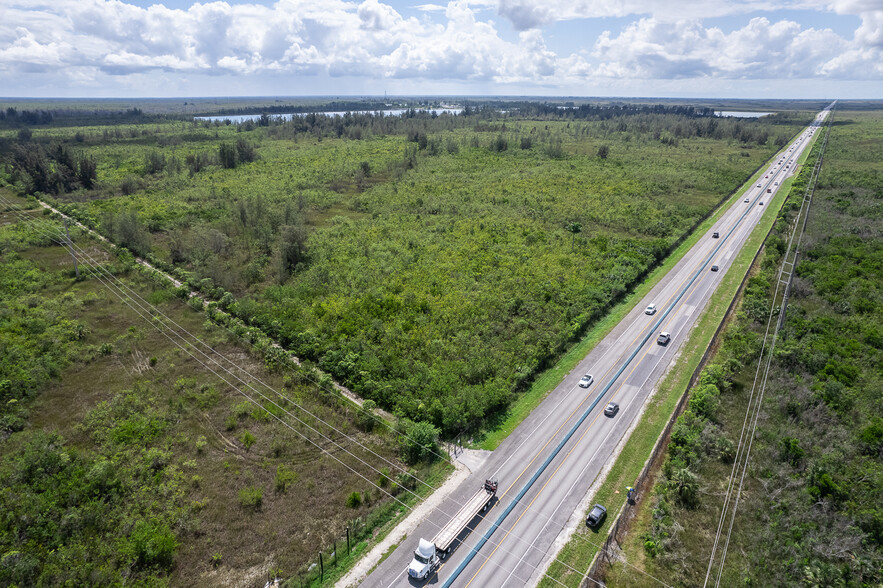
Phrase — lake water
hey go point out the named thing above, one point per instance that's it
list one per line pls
(239, 118)
(741, 113)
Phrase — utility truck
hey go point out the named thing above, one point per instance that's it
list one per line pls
(429, 554)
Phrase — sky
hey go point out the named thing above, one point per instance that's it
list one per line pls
(642, 48)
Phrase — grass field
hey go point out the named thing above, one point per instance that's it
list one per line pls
(229, 494)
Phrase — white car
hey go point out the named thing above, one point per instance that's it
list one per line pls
(651, 309)
(586, 381)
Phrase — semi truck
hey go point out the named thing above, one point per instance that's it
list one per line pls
(429, 554)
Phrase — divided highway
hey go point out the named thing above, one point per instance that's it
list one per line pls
(548, 463)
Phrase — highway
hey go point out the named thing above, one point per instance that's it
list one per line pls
(564, 444)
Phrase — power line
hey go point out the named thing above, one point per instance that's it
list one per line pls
(97, 270)
(752, 413)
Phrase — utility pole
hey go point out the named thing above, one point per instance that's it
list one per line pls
(70, 246)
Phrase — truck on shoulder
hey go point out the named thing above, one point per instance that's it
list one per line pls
(429, 554)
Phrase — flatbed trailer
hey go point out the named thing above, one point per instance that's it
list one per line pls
(447, 534)
(429, 554)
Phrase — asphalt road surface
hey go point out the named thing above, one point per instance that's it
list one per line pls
(626, 367)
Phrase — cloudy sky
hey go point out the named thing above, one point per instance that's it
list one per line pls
(690, 48)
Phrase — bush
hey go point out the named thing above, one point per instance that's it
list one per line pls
(247, 439)
(251, 498)
(242, 410)
(152, 543)
(284, 478)
(686, 486)
(418, 441)
(354, 500)
(704, 401)
(365, 418)
(195, 303)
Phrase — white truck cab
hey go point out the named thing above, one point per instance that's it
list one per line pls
(425, 560)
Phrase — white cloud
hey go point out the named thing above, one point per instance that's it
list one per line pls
(761, 50)
(528, 14)
(29, 53)
(83, 41)
(870, 32)
(378, 17)
(430, 7)
(341, 38)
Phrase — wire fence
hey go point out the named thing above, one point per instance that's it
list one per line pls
(331, 560)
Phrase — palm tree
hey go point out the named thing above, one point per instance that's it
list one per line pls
(686, 484)
(574, 228)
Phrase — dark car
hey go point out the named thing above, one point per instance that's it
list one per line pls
(714, 268)
(611, 409)
(663, 338)
(715, 235)
(597, 516)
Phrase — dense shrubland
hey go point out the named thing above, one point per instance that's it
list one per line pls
(810, 512)
(429, 262)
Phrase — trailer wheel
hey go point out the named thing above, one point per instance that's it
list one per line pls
(484, 508)
(443, 554)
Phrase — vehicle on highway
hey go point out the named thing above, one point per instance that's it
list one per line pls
(651, 309)
(769, 190)
(663, 338)
(714, 268)
(775, 183)
(758, 186)
(715, 235)
(760, 203)
(586, 381)
(429, 554)
(597, 516)
(611, 409)
(747, 200)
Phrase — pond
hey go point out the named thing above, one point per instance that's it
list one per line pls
(741, 113)
(239, 118)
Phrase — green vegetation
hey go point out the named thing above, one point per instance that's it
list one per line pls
(433, 264)
(809, 512)
(135, 480)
